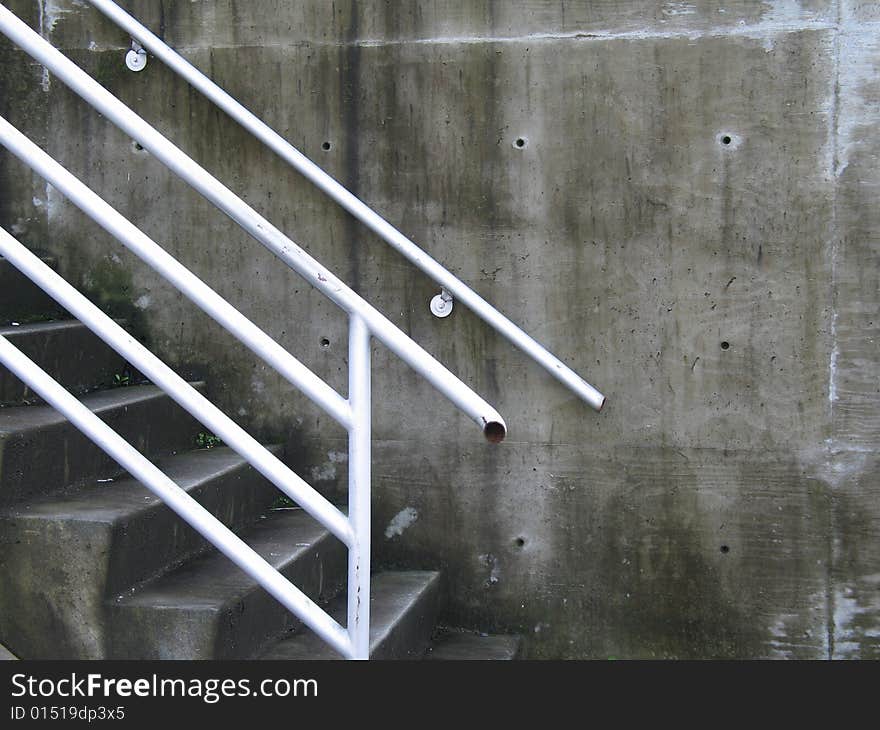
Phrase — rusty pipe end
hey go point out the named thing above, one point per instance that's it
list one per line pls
(495, 431)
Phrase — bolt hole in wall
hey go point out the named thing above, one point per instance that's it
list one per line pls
(725, 549)
(326, 146)
(728, 140)
(520, 143)
(325, 343)
(520, 542)
(725, 345)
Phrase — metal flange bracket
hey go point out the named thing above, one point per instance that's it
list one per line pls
(441, 305)
(136, 58)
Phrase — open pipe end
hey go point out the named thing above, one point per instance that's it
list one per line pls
(601, 405)
(495, 431)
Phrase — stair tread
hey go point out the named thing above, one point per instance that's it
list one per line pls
(459, 645)
(120, 499)
(392, 595)
(212, 582)
(25, 418)
(41, 327)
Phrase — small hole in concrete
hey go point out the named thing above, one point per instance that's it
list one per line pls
(138, 146)
(520, 542)
(726, 139)
(725, 549)
(325, 342)
(725, 345)
(520, 142)
(326, 146)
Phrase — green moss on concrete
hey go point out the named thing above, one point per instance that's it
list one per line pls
(110, 286)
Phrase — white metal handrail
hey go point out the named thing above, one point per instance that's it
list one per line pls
(353, 641)
(262, 230)
(365, 321)
(312, 172)
(187, 397)
(353, 413)
(141, 468)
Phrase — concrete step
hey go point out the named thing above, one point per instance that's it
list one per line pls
(403, 606)
(68, 351)
(64, 555)
(21, 300)
(210, 609)
(42, 452)
(455, 645)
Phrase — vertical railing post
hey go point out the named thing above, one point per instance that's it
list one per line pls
(359, 459)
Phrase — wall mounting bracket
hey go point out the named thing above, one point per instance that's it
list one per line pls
(441, 304)
(136, 58)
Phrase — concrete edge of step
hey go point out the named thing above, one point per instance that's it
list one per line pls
(452, 643)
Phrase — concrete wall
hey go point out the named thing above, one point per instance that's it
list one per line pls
(724, 296)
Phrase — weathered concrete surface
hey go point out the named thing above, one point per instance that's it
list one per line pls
(455, 645)
(68, 351)
(725, 502)
(65, 556)
(210, 609)
(403, 612)
(42, 452)
(20, 300)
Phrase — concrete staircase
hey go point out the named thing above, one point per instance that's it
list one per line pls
(93, 566)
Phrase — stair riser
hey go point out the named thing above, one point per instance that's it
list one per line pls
(74, 356)
(246, 628)
(159, 539)
(21, 299)
(52, 597)
(236, 631)
(411, 635)
(58, 574)
(42, 460)
(404, 609)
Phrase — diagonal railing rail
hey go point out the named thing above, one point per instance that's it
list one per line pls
(141, 468)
